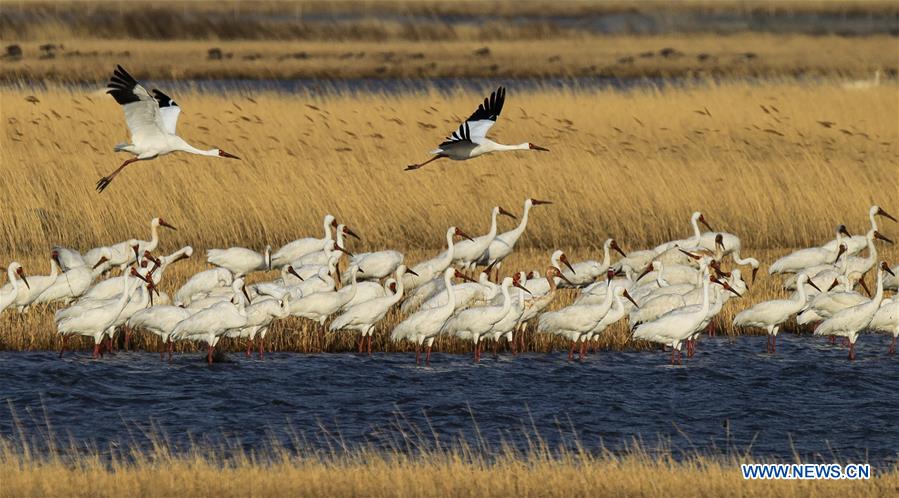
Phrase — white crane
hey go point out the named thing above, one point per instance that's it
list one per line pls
(850, 321)
(769, 315)
(503, 244)
(424, 325)
(260, 315)
(690, 243)
(541, 286)
(535, 304)
(584, 273)
(470, 140)
(812, 256)
(210, 324)
(855, 243)
(96, 322)
(152, 120)
(431, 268)
(472, 323)
(320, 305)
(676, 326)
(26, 296)
(200, 284)
(364, 316)
(725, 244)
(160, 320)
(374, 265)
(10, 291)
(857, 267)
(240, 261)
(577, 320)
(467, 252)
(887, 320)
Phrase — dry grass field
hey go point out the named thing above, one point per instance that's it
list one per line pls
(620, 56)
(778, 163)
(451, 471)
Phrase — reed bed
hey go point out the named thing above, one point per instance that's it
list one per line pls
(89, 59)
(779, 163)
(381, 20)
(432, 470)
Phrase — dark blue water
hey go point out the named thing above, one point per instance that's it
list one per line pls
(806, 400)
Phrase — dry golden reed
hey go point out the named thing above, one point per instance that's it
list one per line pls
(617, 56)
(458, 471)
(632, 165)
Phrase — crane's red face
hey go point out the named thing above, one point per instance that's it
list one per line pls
(166, 224)
(615, 247)
(878, 235)
(21, 273)
(506, 213)
(347, 231)
(564, 259)
(552, 271)
(884, 267)
(101, 261)
(702, 220)
(842, 230)
(227, 155)
(460, 233)
(629, 298)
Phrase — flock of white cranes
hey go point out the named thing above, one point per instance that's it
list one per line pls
(669, 294)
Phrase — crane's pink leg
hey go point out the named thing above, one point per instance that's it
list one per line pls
(428, 357)
(583, 350)
(106, 180)
(96, 354)
(416, 166)
(417, 354)
(893, 346)
(361, 340)
(171, 349)
(63, 347)
(127, 341)
(369, 345)
(261, 348)
(851, 350)
(209, 349)
(571, 351)
(249, 348)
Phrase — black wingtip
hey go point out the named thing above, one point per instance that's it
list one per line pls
(121, 86)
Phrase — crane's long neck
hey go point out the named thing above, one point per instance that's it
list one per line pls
(400, 289)
(11, 274)
(327, 226)
(507, 301)
(872, 216)
(801, 294)
(340, 238)
(496, 147)
(524, 221)
(706, 304)
(448, 255)
(186, 147)
(697, 234)
(54, 268)
(606, 256)
(872, 250)
(154, 237)
(451, 296)
(492, 233)
(878, 295)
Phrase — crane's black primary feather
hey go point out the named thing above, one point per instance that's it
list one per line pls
(121, 86)
(163, 99)
(491, 107)
(489, 110)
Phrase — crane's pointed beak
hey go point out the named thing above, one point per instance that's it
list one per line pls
(294, 273)
(518, 284)
(410, 272)
(629, 298)
(537, 147)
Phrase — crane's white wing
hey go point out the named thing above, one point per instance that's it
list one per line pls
(168, 110)
(475, 128)
(141, 110)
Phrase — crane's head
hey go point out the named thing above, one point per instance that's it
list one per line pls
(506, 213)
(100, 262)
(537, 147)
(615, 247)
(460, 233)
(554, 271)
(222, 153)
(719, 241)
(294, 273)
(886, 268)
(166, 224)
(881, 212)
(346, 231)
(564, 259)
(701, 219)
(537, 202)
(21, 273)
(843, 231)
(878, 235)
